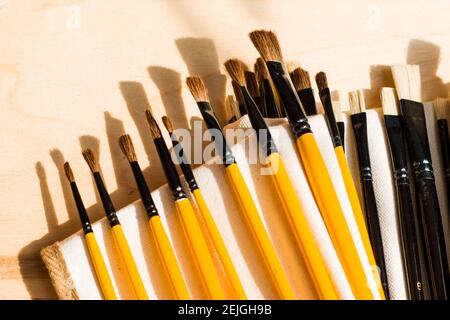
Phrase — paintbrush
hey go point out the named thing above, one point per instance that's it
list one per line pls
(157, 231)
(265, 85)
(96, 258)
(230, 109)
(120, 241)
(197, 243)
(213, 231)
(325, 97)
(359, 123)
(408, 85)
(253, 89)
(316, 171)
(339, 116)
(406, 213)
(242, 193)
(441, 107)
(302, 84)
(306, 243)
(239, 99)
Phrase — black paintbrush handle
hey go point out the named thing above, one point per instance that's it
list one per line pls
(434, 235)
(445, 153)
(270, 106)
(341, 129)
(373, 227)
(411, 255)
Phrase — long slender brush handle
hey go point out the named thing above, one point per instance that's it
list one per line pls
(129, 263)
(332, 214)
(358, 213)
(445, 152)
(259, 233)
(409, 240)
(199, 249)
(168, 258)
(309, 248)
(219, 245)
(101, 272)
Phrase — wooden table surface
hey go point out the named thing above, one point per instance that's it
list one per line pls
(77, 73)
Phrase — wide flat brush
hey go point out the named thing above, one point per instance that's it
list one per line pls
(408, 85)
(96, 258)
(359, 123)
(197, 242)
(157, 231)
(441, 108)
(306, 243)
(242, 193)
(126, 256)
(213, 231)
(316, 171)
(407, 215)
(325, 97)
(302, 84)
(265, 86)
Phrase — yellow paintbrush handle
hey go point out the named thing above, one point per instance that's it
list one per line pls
(129, 263)
(304, 237)
(199, 249)
(259, 233)
(100, 269)
(332, 214)
(358, 213)
(220, 247)
(168, 258)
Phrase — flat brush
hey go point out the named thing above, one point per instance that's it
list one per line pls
(253, 89)
(359, 123)
(316, 171)
(441, 108)
(213, 231)
(406, 213)
(407, 83)
(302, 84)
(308, 246)
(197, 243)
(96, 258)
(325, 97)
(122, 246)
(265, 86)
(242, 193)
(157, 231)
(239, 99)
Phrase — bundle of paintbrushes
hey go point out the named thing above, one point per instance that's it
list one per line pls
(279, 210)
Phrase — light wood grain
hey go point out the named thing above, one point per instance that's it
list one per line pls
(79, 73)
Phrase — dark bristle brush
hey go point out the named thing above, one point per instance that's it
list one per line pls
(253, 89)
(359, 124)
(406, 213)
(265, 86)
(239, 99)
(302, 84)
(441, 108)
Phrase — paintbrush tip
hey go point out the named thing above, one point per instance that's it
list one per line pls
(266, 42)
(407, 81)
(88, 155)
(261, 71)
(167, 124)
(300, 79)
(389, 101)
(68, 171)
(197, 88)
(321, 80)
(252, 84)
(154, 128)
(236, 69)
(126, 145)
(441, 107)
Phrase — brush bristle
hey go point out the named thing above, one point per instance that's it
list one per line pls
(441, 107)
(337, 111)
(252, 84)
(126, 145)
(389, 101)
(321, 80)
(168, 124)
(88, 155)
(266, 42)
(230, 107)
(68, 171)
(154, 128)
(235, 69)
(237, 92)
(361, 100)
(353, 99)
(300, 79)
(261, 71)
(197, 88)
(415, 85)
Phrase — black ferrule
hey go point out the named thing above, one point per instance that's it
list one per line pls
(341, 128)
(291, 102)
(359, 124)
(170, 171)
(106, 200)
(258, 102)
(308, 101)
(185, 166)
(398, 149)
(84, 218)
(212, 123)
(146, 197)
(242, 109)
(269, 100)
(259, 124)
(445, 149)
(325, 97)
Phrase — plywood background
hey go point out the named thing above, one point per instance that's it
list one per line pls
(76, 73)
